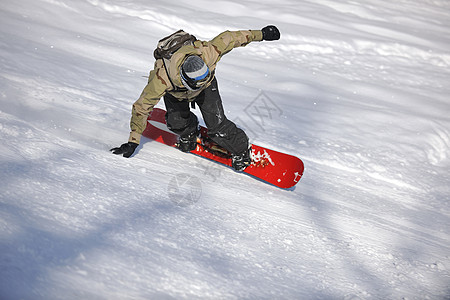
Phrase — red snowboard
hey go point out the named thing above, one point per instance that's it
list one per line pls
(280, 169)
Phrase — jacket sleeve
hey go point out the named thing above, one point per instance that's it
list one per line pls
(226, 41)
(150, 96)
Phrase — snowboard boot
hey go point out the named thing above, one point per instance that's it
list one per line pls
(189, 142)
(241, 161)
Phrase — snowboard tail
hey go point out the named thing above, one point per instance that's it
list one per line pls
(277, 168)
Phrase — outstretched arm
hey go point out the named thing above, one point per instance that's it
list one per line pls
(150, 96)
(228, 40)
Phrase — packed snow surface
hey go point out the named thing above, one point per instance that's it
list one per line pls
(359, 90)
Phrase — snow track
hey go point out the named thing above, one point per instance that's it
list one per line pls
(357, 89)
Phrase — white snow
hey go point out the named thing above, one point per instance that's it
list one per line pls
(357, 89)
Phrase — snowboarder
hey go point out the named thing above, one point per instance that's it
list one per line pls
(188, 76)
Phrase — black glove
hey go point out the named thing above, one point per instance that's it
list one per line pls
(126, 149)
(270, 33)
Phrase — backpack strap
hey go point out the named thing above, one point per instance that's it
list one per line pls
(175, 88)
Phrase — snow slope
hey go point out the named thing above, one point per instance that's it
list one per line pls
(357, 89)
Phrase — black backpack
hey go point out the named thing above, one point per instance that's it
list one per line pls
(170, 44)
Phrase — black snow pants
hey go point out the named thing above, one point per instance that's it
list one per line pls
(221, 130)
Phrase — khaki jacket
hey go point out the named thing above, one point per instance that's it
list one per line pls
(159, 83)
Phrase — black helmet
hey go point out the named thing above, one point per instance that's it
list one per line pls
(194, 72)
